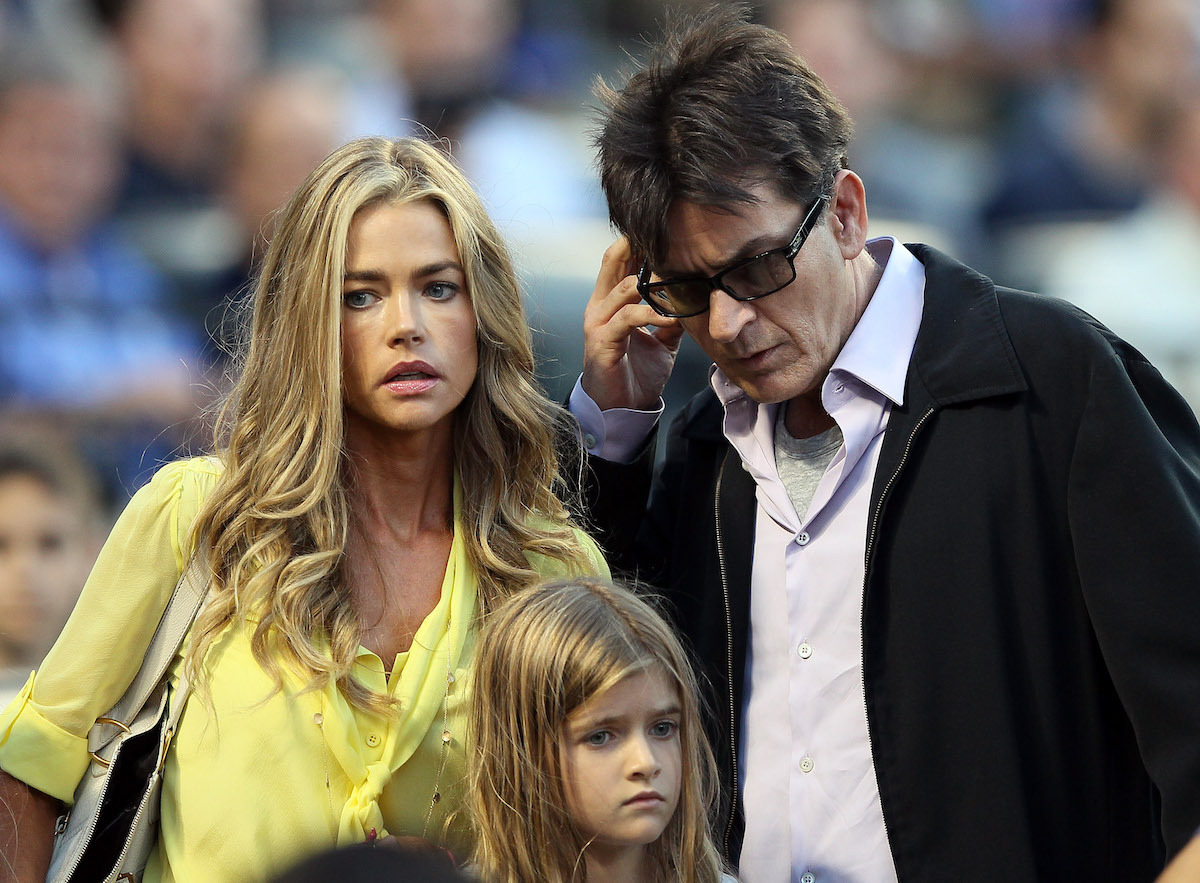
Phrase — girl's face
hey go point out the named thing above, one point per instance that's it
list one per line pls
(408, 328)
(621, 757)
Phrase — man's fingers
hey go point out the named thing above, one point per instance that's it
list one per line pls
(614, 267)
(612, 307)
(668, 335)
(640, 315)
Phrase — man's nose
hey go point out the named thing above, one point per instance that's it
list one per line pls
(726, 316)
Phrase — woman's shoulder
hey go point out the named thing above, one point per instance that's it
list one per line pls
(171, 500)
(179, 477)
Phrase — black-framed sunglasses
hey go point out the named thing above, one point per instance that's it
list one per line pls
(750, 279)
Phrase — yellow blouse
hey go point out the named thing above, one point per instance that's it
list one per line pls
(266, 777)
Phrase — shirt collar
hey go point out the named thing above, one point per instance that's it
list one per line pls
(880, 347)
(881, 344)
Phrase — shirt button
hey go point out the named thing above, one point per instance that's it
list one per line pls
(803, 538)
(373, 740)
(805, 650)
(839, 387)
(806, 764)
(808, 877)
(589, 442)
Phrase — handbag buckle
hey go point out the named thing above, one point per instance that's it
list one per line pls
(116, 723)
(163, 746)
(60, 824)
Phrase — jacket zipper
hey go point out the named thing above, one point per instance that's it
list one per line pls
(866, 570)
(728, 661)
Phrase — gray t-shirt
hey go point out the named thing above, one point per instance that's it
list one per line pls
(802, 461)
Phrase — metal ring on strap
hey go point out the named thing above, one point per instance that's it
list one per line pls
(116, 723)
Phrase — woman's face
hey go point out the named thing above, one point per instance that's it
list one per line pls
(408, 328)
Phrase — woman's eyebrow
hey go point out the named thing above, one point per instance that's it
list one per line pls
(438, 267)
(364, 276)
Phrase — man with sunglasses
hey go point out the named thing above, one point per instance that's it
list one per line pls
(936, 543)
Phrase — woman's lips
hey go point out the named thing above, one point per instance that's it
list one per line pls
(411, 384)
(410, 378)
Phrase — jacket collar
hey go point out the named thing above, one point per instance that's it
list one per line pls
(963, 351)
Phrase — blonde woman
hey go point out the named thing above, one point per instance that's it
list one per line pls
(590, 760)
(384, 476)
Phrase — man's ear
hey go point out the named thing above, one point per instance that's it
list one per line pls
(848, 211)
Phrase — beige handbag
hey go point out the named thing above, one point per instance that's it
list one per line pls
(109, 832)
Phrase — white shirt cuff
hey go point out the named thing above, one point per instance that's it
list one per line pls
(615, 435)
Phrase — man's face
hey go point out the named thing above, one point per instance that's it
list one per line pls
(781, 346)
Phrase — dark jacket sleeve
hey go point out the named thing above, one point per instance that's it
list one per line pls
(1134, 519)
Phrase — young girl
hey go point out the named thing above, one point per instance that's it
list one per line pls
(589, 761)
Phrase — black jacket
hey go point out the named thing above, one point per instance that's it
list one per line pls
(1031, 613)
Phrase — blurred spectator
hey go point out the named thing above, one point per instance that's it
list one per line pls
(284, 123)
(181, 66)
(1185, 867)
(50, 533)
(82, 316)
(928, 173)
(446, 69)
(183, 63)
(1140, 276)
(1082, 150)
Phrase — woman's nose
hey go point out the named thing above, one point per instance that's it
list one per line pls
(404, 319)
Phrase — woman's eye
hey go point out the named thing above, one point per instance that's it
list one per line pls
(357, 300)
(600, 737)
(441, 291)
(664, 729)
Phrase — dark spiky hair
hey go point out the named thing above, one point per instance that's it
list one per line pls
(721, 106)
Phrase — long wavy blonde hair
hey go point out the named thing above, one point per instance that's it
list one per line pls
(541, 656)
(274, 529)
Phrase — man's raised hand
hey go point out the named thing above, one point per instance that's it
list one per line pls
(628, 349)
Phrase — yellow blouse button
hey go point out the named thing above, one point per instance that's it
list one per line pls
(373, 740)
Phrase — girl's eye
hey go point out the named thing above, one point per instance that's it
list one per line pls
(598, 738)
(664, 729)
(441, 291)
(358, 300)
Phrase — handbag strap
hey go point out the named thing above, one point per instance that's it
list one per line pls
(186, 601)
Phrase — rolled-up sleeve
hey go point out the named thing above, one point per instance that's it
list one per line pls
(43, 731)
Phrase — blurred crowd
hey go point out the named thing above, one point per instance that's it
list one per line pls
(145, 145)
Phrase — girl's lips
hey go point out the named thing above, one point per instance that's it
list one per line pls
(648, 798)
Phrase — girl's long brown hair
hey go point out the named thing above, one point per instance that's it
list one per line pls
(542, 655)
